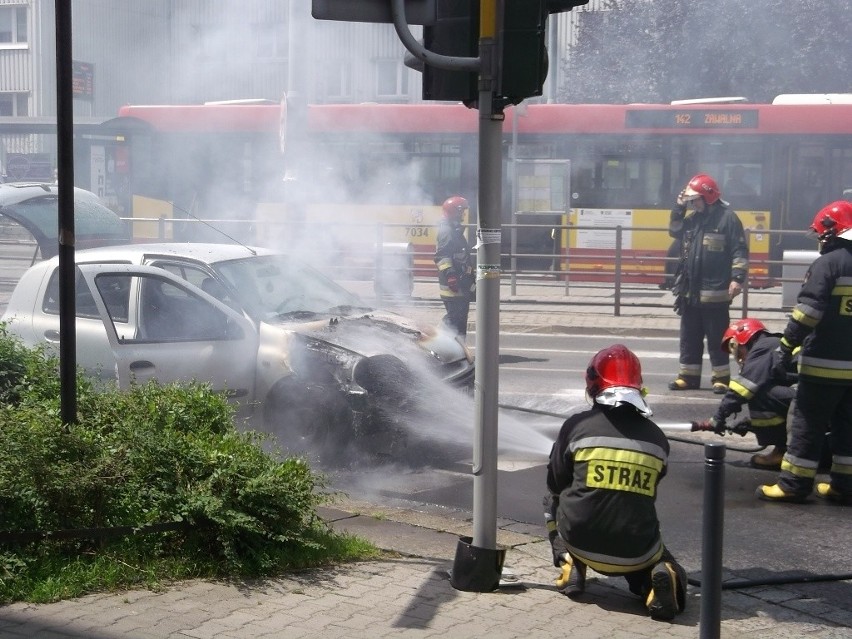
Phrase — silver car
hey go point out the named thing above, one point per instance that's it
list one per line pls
(261, 326)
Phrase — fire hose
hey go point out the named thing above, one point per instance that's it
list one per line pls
(741, 428)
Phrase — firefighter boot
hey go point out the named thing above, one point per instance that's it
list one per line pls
(685, 382)
(824, 490)
(776, 493)
(770, 460)
(720, 384)
(663, 601)
(572, 581)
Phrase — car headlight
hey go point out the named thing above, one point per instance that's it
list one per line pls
(318, 360)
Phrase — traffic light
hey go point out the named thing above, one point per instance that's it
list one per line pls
(455, 33)
(523, 59)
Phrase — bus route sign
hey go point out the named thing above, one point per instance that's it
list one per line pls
(691, 119)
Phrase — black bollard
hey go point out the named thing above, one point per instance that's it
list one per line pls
(711, 549)
(476, 569)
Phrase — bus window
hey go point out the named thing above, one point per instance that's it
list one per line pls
(741, 179)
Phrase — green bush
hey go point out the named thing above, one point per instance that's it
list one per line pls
(154, 454)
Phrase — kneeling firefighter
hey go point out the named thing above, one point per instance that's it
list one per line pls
(602, 482)
(767, 394)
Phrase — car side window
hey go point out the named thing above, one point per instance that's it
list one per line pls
(170, 313)
(200, 278)
(84, 302)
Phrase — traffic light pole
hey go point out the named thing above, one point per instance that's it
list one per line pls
(488, 237)
(478, 563)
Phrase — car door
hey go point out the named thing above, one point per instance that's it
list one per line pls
(161, 327)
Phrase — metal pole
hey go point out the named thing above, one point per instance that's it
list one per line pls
(711, 547)
(514, 199)
(617, 271)
(65, 178)
(488, 290)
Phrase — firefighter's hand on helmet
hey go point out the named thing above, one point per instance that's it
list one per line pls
(453, 282)
(681, 198)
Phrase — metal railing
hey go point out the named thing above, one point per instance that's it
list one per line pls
(371, 251)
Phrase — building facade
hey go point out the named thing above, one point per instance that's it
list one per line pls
(193, 51)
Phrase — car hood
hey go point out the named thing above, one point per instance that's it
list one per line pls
(375, 332)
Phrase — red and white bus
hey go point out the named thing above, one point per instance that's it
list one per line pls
(584, 169)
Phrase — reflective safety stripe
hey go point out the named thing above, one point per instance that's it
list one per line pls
(843, 286)
(766, 419)
(610, 564)
(620, 470)
(620, 444)
(712, 297)
(807, 315)
(741, 390)
(841, 465)
(799, 467)
(825, 368)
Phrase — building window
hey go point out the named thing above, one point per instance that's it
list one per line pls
(271, 40)
(14, 104)
(13, 25)
(391, 79)
(337, 79)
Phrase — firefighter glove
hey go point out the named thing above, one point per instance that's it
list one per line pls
(559, 548)
(453, 282)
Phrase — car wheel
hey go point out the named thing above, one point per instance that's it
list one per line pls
(309, 419)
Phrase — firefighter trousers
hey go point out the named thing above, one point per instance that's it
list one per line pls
(768, 412)
(697, 323)
(457, 312)
(818, 408)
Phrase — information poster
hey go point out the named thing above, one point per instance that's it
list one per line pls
(597, 228)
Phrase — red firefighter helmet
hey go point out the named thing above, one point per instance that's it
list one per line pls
(833, 221)
(741, 332)
(454, 207)
(615, 365)
(705, 186)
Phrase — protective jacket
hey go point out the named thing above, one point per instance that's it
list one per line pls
(821, 322)
(713, 253)
(602, 480)
(454, 259)
(755, 386)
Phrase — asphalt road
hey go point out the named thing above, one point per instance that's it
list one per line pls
(546, 372)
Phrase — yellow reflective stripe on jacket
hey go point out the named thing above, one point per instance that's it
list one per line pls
(618, 469)
(825, 368)
(842, 287)
(807, 315)
(740, 389)
(714, 297)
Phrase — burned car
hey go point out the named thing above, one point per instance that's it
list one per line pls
(263, 327)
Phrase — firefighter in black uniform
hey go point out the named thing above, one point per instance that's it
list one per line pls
(757, 385)
(712, 267)
(602, 482)
(821, 323)
(454, 260)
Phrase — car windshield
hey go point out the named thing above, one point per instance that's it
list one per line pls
(268, 286)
